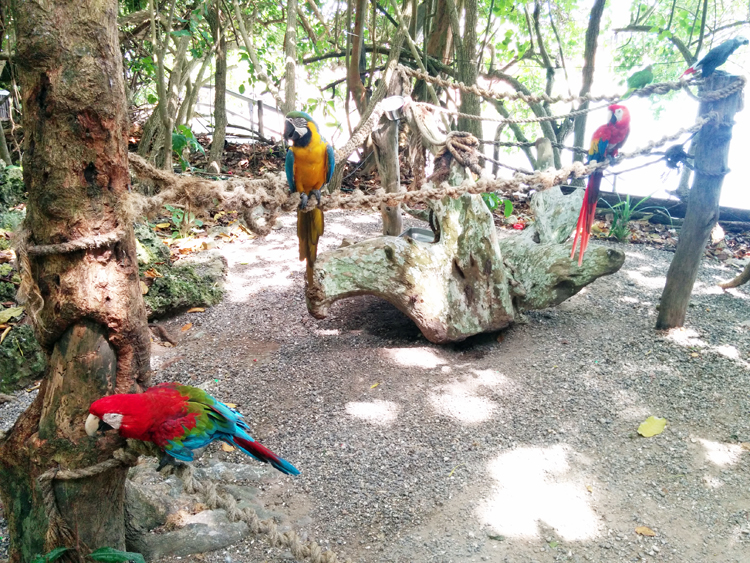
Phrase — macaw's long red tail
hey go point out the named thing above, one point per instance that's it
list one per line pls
(310, 226)
(586, 217)
(262, 453)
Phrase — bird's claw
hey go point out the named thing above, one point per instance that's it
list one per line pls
(167, 459)
(316, 193)
(302, 201)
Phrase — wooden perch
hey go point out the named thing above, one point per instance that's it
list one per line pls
(468, 281)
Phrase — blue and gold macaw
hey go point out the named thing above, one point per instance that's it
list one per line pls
(309, 166)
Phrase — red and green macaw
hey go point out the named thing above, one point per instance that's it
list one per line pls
(178, 419)
(309, 166)
(605, 143)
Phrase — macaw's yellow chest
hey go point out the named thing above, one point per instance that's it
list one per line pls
(310, 165)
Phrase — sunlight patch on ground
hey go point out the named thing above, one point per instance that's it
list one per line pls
(685, 337)
(327, 332)
(532, 488)
(721, 454)
(630, 406)
(340, 230)
(377, 412)
(712, 482)
(255, 267)
(460, 400)
(635, 255)
(365, 219)
(656, 282)
(629, 300)
(701, 288)
(414, 357)
(728, 351)
(735, 292)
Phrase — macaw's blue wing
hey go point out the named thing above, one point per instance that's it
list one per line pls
(598, 150)
(331, 162)
(290, 170)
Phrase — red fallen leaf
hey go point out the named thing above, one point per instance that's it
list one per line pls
(519, 226)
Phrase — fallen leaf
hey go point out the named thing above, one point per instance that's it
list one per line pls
(8, 314)
(152, 273)
(553, 544)
(652, 426)
(5, 333)
(645, 531)
(162, 225)
(589, 488)
(695, 355)
(34, 387)
(374, 385)
(745, 446)
(196, 310)
(497, 538)
(186, 327)
(144, 287)
(227, 447)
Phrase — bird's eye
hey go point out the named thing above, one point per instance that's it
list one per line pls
(113, 419)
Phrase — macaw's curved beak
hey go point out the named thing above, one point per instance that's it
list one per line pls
(613, 119)
(94, 424)
(292, 132)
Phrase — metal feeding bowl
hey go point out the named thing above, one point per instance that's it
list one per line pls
(421, 235)
(393, 107)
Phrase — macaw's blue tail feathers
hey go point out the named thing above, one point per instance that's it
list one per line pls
(262, 453)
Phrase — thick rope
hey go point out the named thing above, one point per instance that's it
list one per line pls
(473, 117)
(58, 532)
(659, 88)
(214, 499)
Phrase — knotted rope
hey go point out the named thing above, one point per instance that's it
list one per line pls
(58, 532)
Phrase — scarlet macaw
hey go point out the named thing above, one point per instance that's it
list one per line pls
(716, 57)
(604, 144)
(309, 165)
(178, 419)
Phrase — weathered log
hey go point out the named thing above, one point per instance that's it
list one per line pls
(468, 281)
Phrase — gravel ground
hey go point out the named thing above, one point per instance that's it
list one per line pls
(518, 447)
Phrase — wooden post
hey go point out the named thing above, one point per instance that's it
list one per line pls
(711, 151)
(260, 118)
(385, 139)
(251, 111)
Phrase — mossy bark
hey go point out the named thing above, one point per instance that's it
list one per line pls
(92, 325)
(468, 281)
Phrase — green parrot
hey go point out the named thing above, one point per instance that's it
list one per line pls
(638, 80)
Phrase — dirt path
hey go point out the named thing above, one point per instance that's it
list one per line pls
(516, 447)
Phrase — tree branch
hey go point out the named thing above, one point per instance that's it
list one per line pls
(684, 51)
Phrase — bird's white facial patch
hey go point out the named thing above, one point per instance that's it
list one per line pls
(618, 114)
(113, 419)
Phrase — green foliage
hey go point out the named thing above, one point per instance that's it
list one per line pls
(622, 213)
(111, 555)
(183, 221)
(181, 287)
(493, 201)
(51, 556)
(21, 359)
(185, 138)
(12, 188)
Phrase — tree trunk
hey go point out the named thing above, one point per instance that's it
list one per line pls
(4, 152)
(385, 139)
(220, 99)
(86, 305)
(290, 50)
(589, 56)
(467, 70)
(354, 81)
(711, 154)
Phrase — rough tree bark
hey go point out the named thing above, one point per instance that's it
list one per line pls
(466, 282)
(711, 155)
(385, 139)
(87, 306)
(466, 53)
(290, 51)
(220, 100)
(589, 56)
